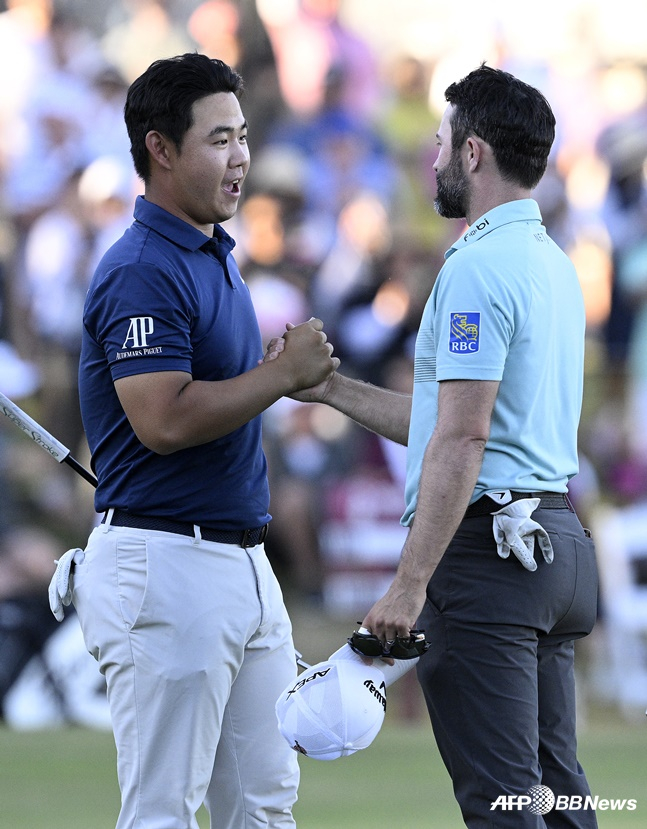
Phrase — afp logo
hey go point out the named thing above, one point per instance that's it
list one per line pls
(464, 332)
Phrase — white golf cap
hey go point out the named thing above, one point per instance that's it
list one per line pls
(333, 709)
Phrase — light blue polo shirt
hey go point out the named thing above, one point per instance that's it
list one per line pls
(506, 306)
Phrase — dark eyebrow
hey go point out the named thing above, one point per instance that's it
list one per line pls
(228, 129)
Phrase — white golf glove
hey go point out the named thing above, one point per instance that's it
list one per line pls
(60, 587)
(515, 531)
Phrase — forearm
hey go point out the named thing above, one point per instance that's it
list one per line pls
(380, 410)
(451, 465)
(171, 411)
(450, 468)
(449, 473)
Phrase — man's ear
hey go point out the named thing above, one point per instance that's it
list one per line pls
(158, 147)
(474, 152)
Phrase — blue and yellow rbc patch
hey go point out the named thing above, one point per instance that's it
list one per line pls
(464, 332)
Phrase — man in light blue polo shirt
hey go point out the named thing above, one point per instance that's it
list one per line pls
(496, 567)
(497, 314)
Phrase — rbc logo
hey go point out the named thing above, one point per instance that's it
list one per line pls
(464, 331)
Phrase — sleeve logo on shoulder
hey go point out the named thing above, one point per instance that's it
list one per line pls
(138, 332)
(464, 332)
(136, 342)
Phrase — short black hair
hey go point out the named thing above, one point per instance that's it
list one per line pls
(514, 118)
(162, 99)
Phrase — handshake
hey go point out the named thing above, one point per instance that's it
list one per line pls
(305, 353)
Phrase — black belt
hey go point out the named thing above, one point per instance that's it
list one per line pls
(242, 538)
(548, 500)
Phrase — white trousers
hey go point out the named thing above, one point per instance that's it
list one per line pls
(196, 645)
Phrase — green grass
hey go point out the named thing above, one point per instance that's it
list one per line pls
(66, 779)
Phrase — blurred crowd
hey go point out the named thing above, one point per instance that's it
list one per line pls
(337, 221)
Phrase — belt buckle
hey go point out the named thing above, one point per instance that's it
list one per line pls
(246, 539)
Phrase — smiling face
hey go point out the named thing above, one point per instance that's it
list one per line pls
(205, 176)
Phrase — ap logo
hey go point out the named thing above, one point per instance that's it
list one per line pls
(542, 800)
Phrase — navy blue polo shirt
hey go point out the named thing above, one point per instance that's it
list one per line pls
(162, 300)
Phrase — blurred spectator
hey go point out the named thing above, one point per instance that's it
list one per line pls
(233, 31)
(552, 197)
(342, 156)
(362, 311)
(26, 622)
(18, 379)
(105, 129)
(623, 145)
(631, 276)
(50, 153)
(141, 31)
(24, 32)
(408, 127)
(44, 678)
(62, 248)
(310, 41)
(297, 458)
(300, 459)
(215, 26)
(51, 121)
(108, 188)
(47, 677)
(345, 159)
(278, 174)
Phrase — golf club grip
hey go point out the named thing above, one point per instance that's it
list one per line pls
(42, 437)
(35, 431)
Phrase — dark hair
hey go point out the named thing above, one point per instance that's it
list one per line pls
(513, 117)
(162, 99)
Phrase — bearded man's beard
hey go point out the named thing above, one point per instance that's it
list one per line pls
(451, 200)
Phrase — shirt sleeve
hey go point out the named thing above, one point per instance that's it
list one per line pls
(474, 322)
(142, 321)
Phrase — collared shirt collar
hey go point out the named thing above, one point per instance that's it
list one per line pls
(521, 210)
(175, 229)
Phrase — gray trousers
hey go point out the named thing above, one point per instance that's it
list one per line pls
(498, 679)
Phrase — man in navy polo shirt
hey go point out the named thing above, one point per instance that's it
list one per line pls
(176, 598)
